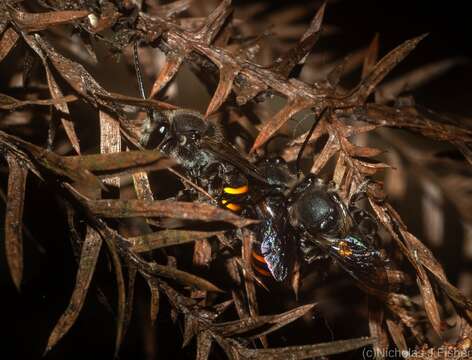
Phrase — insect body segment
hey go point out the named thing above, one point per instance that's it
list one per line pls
(239, 193)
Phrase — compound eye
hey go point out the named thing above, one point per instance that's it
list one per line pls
(194, 135)
(158, 135)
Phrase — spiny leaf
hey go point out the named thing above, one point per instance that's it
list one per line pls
(88, 260)
(285, 319)
(10, 103)
(214, 22)
(114, 162)
(40, 21)
(409, 118)
(52, 162)
(292, 107)
(136, 101)
(201, 253)
(371, 56)
(168, 237)
(154, 304)
(377, 328)
(110, 140)
(306, 351)
(227, 75)
(416, 78)
(173, 8)
(383, 67)
(369, 169)
(359, 151)
(7, 42)
(331, 147)
(294, 56)
(183, 277)
(142, 187)
(204, 341)
(232, 328)
(430, 304)
(170, 68)
(171, 209)
(132, 271)
(150, 268)
(56, 94)
(13, 218)
(191, 328)
(397, 335)
(75, 74)
(121, 290)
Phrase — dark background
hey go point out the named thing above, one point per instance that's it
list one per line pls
(26, 319)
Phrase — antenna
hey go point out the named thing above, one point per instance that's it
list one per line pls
(307, 138)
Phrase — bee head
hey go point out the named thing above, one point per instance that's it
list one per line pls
(176, 128)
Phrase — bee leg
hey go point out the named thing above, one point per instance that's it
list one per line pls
(310, 252)
(359, 194)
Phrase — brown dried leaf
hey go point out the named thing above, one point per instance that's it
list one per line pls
(128, 313)
(227, 75)
(409, 118)
(416, 78)
(116, 162)
(427, 259)
(88, 260)
(40, 21)
(214, 22)
(359, 151)
(7, 42)
(191, 328)
(171, 9)
(121, 290)
(171, 209)
(154, 304)
(371, 56)
(331, 147)
(430, 304)
(136, 101)
(110, 140)
(10, 103)
(56, 94)
(294, 56)
(376, 327)
(181, 276)
(383, 67)
(292, 107)
(202, 253)
(74, 74)
(13, 218)
(167, 237)
(369, 169)
(397, 335)
(170, 68)
(306, 351)
(204, 341)
(232, 328)
(52, 162)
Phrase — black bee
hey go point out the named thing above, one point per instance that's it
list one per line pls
(307, 218)
(345, 233)
(215, 165)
